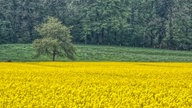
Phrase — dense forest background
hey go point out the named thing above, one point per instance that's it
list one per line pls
(138, 23)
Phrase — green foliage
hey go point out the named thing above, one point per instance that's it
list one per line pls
(141, 23)
(103, 21)
(56, 40)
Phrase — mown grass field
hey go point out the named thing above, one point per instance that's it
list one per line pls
(25, 52)
(95, 85)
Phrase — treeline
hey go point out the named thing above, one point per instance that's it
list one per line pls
(140, 23)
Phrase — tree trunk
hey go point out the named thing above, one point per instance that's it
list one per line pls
(162, 34)
(151, 40)
(54, 55)
(170, 29)
(102, 36)
(13, 22)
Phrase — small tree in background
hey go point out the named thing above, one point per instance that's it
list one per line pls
(55, 41)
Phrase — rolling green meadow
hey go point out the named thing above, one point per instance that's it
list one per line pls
(26, 52)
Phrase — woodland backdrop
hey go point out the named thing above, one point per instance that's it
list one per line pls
(138, 23)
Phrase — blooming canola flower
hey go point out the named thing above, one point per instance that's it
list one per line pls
(95, 84)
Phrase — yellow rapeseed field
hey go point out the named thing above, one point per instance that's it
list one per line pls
(95, 85)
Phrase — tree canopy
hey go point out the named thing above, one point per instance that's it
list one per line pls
(55, 41)
(140, 23)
